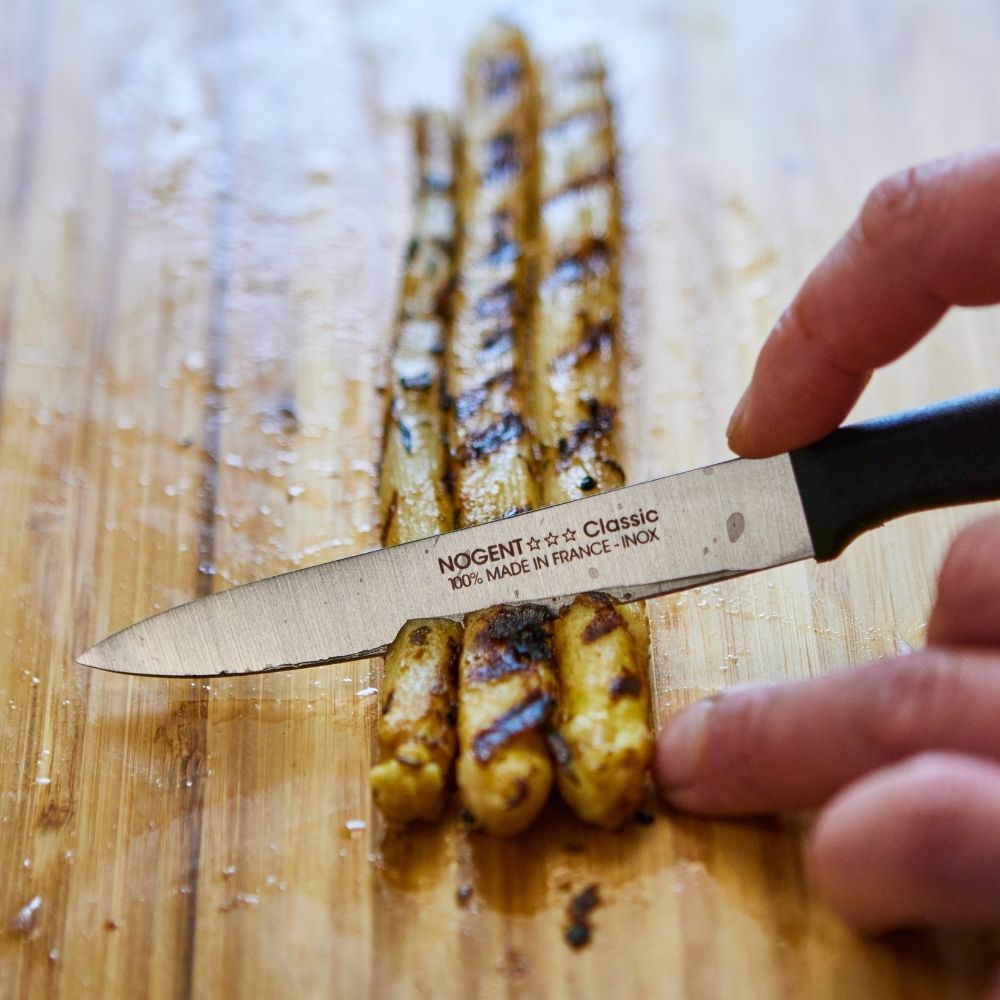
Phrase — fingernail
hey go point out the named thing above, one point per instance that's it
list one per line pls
(733, 431)
(681, 746)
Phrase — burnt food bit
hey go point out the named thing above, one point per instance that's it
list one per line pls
(532, 712)
(588, 483)
(578, 929)
(644, 817)
(463, 894)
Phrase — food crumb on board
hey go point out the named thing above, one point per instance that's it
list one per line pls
(112, 924)
(463, 894)
(578, 930)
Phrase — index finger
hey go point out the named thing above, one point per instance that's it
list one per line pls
(925, 239)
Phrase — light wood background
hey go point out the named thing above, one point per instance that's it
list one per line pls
(204, 206)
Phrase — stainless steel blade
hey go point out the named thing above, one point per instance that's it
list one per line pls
(652, 538)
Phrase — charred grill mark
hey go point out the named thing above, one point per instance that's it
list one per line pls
(514, 639)
(614, 467)
(419, 380)
(597, 338)
(514, 511)
(522, 632)
(520, 793)
(526, 624)
(502, 157)
(531, 713)
(502, 666)
(590, 260)
(625, 685)
(471, 401)
(598, 424)
(405, 434)
(388, 701)
(390, 516)
(497, 302)
(495, 343)
(436, 184)
(560, 750)
(503, 251)
(598, 117)
(503, 245)
(605, 172)
(501, 74)
(510, 427)
(420, 635)
(606, 619)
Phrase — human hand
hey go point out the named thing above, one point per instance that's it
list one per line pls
(903, 757)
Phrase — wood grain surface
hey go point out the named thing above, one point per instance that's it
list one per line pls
(204, 207)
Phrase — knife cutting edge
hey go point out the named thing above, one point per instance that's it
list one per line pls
(640, 541)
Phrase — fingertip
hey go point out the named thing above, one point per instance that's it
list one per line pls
(912, 844)
(680, 746)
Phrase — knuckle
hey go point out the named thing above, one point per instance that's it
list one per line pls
(913, 702)
(893, 207)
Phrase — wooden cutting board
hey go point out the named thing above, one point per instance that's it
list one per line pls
(204, 209)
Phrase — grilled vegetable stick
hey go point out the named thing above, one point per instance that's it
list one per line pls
(491, 450)
(507, 692)
(416, 735)
(416, 731)
(413, 489)
(601, 742)
(429, 267)
(506, 685)
(575, 385)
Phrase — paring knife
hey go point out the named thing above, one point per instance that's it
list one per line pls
(653, 538)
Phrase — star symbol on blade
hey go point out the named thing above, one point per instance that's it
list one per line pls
(552, 539)
(569, 535)
(534, 544)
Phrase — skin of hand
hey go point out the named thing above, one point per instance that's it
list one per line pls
(902, 757)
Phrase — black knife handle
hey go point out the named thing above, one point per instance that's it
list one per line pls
(866, 474)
